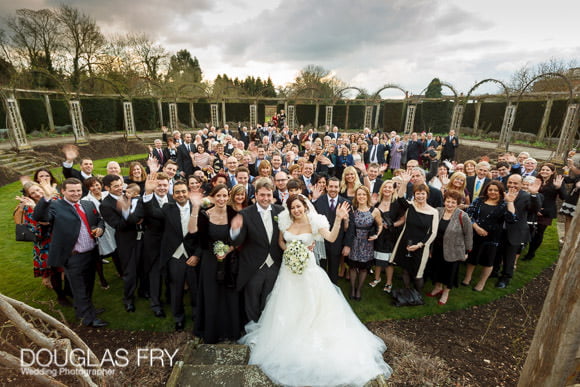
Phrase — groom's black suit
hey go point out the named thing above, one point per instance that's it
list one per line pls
(254, 276)
(333, 249)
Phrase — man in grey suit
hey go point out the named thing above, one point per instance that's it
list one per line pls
(256, 230)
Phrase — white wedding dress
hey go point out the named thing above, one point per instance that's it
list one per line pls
(308, 334)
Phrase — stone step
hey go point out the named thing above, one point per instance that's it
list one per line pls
(22, 162)
(218, 375)
(219, 354)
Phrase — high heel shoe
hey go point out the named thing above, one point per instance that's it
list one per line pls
(434, 294)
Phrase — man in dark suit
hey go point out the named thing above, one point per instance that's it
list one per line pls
(75, 225)
(504, 171)
(281, 193)
(256, 230)
(71, 152)
(418, 177)
(117, 212)
(244, 136)
(475, 184)
(450, 143)
(156, 194)
(519, 205)
(157, 153)
(184, 158)
(308, 177)
(178, 251)
(374, 180)
(376, 152)
(414, 147)
(326, 205)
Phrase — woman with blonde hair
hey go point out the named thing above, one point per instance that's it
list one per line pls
(349, 183)
(458, 183)
(393, 217)
(469, 167)
(365, 225)
(264, 170)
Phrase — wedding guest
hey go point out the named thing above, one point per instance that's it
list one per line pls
(568, 208)
(202, 159)
(107, 244)
(220, 157)
(421, 221)
(238, 199)
(450, 144)
(71, 152)
(365, 224)
(169, 152)
(218, 303)
(476, 182)
(469, 167)
(195, 184)
(392, 215)
(487, 213)
(44, 176)
(137, 174)
(451, 245)
(344, 159)
(396, 154)
(349, 183)
(52, 277)
(552, 187)
(265, 170)
(295, 171)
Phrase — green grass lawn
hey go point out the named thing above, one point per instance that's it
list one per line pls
(17, 281)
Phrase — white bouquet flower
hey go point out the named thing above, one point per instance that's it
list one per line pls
(296, 256)
(205, 203)
(220, 249)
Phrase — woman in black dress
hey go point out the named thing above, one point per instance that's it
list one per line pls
(421, 221)
(487, 213)
(392, 215)
(219, 313)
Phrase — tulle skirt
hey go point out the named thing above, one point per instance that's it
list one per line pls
(308, 335)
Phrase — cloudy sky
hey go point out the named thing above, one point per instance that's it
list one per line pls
(365, 43)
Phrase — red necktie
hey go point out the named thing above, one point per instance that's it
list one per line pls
(83, 218)
(160, 155)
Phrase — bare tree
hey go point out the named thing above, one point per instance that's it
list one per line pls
(317, 78)
(35, 37)
(525, 74)
(82, 39)
(150, 56)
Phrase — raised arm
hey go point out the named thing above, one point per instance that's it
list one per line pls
(341, 213)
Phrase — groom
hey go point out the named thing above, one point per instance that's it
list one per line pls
(256, 230)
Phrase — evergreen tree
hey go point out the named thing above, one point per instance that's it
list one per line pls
(183, 68)
(435, 116)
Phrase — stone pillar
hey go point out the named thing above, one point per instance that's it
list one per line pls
(192, 114)
(48, 112)
(346, 126)
(223, 112)
(160, 108)
(317, 113)
(477, 114)
(545, 119)
(377, 114)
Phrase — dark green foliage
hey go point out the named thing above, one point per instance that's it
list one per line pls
(433, 116)
(202, 113)
(165, 111)
(237, 112)
(338, 116)
(305, 115)
(356, 116)
(183, 114)
(529, 116)
(60, 112)
(491, 114)
(393, 116)
(145, 114)
(33, 114)
(469, 115)
(434, 90)
(557, 116)
(184, 69)
(102, 115)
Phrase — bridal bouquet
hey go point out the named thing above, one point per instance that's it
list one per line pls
(205, 203)
(220, 249)
(296, 256)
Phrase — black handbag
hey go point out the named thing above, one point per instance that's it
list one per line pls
(23, 233)
(407, 297)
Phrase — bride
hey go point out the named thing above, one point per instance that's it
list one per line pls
(307, 334)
